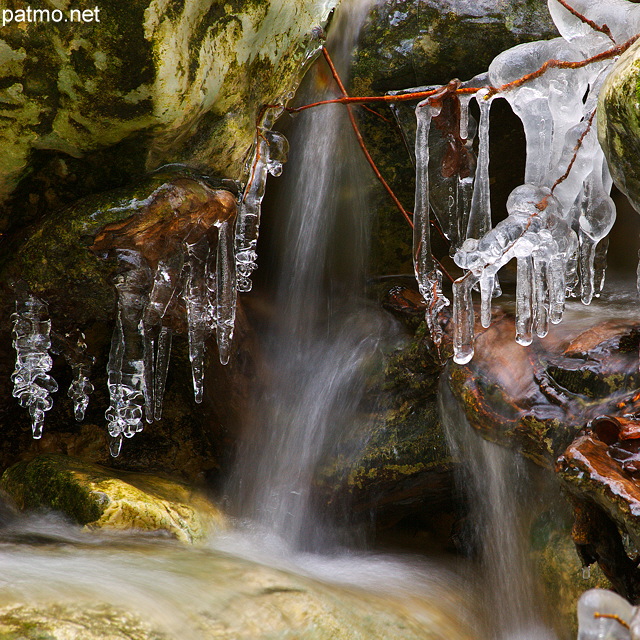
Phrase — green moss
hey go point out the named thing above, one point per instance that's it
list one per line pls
(44, 483)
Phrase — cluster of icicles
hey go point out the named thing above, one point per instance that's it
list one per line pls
(556, 228)
(206, 277)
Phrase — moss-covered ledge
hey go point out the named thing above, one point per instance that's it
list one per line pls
(101, 498)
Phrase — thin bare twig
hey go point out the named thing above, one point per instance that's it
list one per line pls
(565, 175)
(363, 146)
(596, 27)
(611, 616)
(563, 64)
(419, 95)
(360, 139)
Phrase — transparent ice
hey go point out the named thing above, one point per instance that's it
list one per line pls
(558, 221)
(270, 153)
(32, 384)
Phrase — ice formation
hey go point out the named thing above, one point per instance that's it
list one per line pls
(193, 261)
(202, 272)
(80, 388)
(32, 384)
(269, 154)
(559, 219)
(604, 615)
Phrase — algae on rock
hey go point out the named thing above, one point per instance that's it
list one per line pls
(101, 498)
(87, 104)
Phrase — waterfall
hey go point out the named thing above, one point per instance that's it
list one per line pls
(496, 487)
(323, 333)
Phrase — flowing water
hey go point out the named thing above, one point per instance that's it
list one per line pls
(324, 334)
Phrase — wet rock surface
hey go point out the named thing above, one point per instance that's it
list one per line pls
(89, 104)
(101, 498)
(619, 124)
(397, 463)
(199, 595)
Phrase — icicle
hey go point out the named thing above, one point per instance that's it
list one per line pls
(270, 154)
(487, 285)
(428, 276)
(463, 319)
(524, 301)
(81, 386)
(195, 297)
(541, 296)
(226, 291)
(127, 375)
(480, 215)
(163, 356)
(32, 384)
(464, 101)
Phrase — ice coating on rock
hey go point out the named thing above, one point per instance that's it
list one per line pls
(592, 626)
(32, 384)
(428, 276)
(269, 154)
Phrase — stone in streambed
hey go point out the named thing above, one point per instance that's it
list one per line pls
(102, 498)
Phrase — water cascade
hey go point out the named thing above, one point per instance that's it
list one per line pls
(499, 498)
(322, 336)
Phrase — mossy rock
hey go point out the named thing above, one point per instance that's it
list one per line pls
(404, 465)
(619, 123)
(87, 104)
(66, 622)
(560, 569)
(97, 497)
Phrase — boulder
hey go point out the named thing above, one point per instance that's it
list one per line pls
(88, 103)
(196, 594)
(397, 463)
(101, 498)
(619, 123)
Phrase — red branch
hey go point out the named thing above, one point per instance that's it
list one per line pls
(596, 27)
(565, 175)
(419, 95)
(611, 616)
(360, 139)
(356, 129)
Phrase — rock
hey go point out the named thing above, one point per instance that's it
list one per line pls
(399, 465)
(537, 399)
(409, 43)
(69, 622)
(88, 104)
(64, 258)
(97, 497)
(619, 123)
(560, 569)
